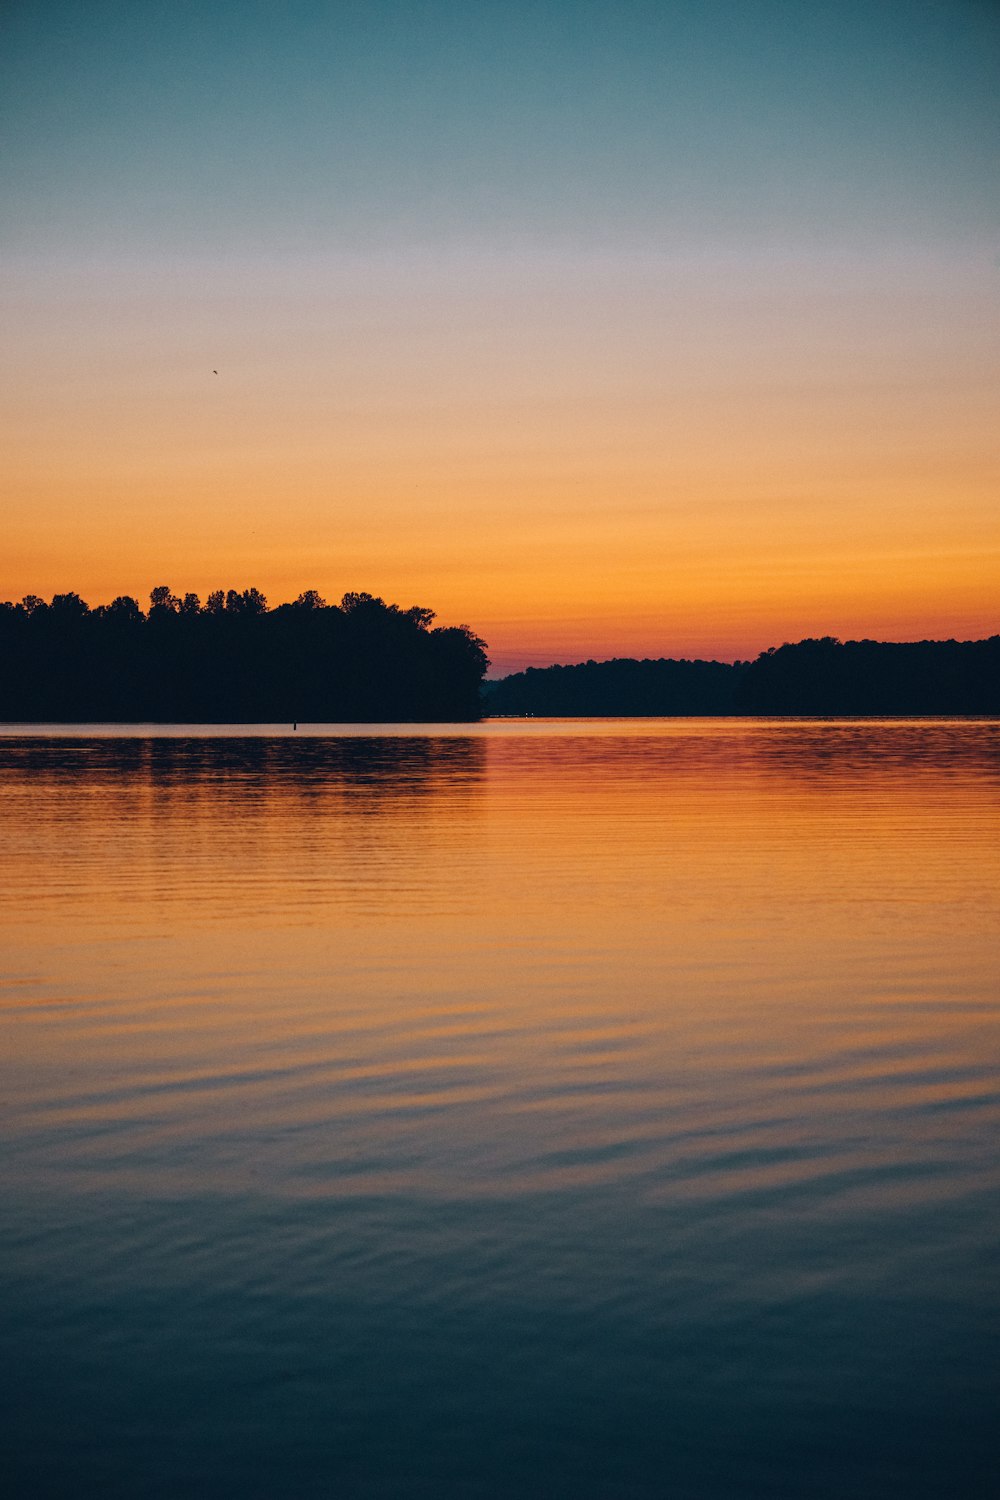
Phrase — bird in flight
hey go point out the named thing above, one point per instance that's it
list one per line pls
(215, 372)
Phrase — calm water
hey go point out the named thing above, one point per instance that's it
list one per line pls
(538, 1109)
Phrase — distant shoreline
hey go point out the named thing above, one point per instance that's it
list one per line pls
(235, 661)
(813, 678)
(81, 729)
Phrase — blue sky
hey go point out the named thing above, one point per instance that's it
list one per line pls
(635, 328)
(207, 126)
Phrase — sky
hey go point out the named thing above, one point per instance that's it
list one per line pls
(652, 329)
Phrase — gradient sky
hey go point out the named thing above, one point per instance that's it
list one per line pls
(631, 329)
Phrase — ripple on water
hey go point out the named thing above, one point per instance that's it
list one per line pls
(424, 1112)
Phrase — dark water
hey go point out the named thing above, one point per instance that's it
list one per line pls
(566, 1110)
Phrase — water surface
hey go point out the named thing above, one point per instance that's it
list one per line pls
(567, 1109)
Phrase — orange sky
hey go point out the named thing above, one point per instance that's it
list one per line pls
(592, 457)
(613, 374)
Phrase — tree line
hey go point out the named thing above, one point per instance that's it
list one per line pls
(233, 659)
(814, 676)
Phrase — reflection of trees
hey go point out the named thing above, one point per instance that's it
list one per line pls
(240, 830)
(842, 751)
(371, 770)
(739, 752)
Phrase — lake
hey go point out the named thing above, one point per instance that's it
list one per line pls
(536, 1108)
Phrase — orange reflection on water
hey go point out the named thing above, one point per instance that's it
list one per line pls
(711, 958)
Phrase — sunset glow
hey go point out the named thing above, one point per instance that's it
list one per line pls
(660, 330)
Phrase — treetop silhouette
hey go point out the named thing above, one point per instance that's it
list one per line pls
(234, 659)
(814, 676)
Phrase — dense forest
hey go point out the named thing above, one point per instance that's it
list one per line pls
(823, 676)
(234, 660)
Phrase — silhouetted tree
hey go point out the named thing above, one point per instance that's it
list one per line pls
(124, 608)
(163, 600)
(817, 676)
(234, 660)
(618, 687)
